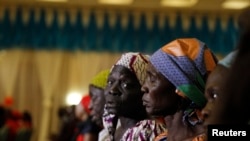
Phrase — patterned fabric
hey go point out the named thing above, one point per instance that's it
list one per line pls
(136, 62)
(105, 135)
(100, 80)
(186, 63)
(110, 124)
(228, 60)
(163, 137)
(146, 130)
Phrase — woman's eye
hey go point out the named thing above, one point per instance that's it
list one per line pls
(215, 95)
(124, 85)
(152, 79)
(109, 83)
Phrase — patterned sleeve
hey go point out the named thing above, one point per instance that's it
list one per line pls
(145, 130)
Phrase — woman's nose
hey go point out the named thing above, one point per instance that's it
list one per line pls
(114, 89)
(205, 113)
(144, 88)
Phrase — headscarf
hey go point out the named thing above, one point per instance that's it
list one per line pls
(135, 62)
(186, 63)
(228, 60)
(100, 80)
(85, 103)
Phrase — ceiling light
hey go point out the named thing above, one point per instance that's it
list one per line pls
(116, 2)
(235, 4)
(73, 98)
(178, 3)
(53, 0)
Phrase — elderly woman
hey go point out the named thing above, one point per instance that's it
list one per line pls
(124, 97)
(175, 84)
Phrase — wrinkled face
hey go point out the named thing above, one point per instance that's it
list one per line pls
(123, 92)
(97, 103)
(159, 96)
(213, 90)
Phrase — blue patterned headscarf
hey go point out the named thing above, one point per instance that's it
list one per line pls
(186, 64)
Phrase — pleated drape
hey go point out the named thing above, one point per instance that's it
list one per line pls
(78, 35)
(9, 69)
(48, 67)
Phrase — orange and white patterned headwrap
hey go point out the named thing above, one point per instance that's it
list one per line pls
(136, 62)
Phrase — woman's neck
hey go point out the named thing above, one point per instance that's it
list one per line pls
(125, 124)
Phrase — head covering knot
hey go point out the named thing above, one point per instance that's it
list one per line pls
(186, 63)
(135, 62)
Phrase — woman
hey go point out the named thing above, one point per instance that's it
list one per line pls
(124, 96)
(86, 130)
(174, 87)
(215, 81)
(97, 102)
(234, 109)
(229, 109)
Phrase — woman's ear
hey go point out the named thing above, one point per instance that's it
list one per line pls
(180, 93)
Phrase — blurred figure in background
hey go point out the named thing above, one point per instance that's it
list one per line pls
(2, 116)
(25, 130)
(86, 129)
(26, 119)
(68, 123)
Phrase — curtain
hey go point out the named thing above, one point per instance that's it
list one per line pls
(48, 68)
(9, 65)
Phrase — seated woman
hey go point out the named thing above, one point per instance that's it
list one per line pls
(214, 85)
(124, 97)
(86, 129)
(174, 86)
(233, 108)
(97, 102)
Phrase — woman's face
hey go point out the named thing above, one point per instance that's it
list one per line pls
(97, 103)
(213, 91)
(159, 96)
(123, 92)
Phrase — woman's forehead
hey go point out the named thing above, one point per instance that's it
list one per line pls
(120, 70)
